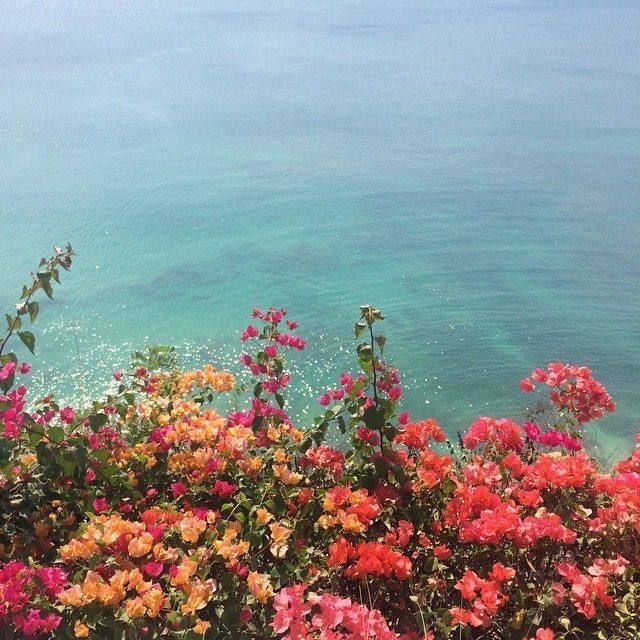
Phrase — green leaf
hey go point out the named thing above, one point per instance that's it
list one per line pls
(28, 340)
(98, 420)
(55, 434)
(34, 309)
(13, 322)
(44, 278)
(35, 435)
(373, 418)
(101, 455)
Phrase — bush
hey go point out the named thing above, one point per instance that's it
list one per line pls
(152, 515)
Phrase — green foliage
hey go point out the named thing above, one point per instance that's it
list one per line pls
(155, 357)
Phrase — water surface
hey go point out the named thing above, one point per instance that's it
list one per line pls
(470, 167)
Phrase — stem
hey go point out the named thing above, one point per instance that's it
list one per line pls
(15, 320)
(375, 386)
(373, 366)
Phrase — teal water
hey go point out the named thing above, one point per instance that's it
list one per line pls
(472, 167)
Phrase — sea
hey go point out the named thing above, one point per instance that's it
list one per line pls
(471, 167)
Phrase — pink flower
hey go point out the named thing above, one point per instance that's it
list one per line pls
(117, 375)
(271, 351)
(539, 375)
(395, 393)
(178, 489)
(531, 430)
(25, 367)
(153, 569)
(100, 505)
(324, 399)
(346, 380)
(7, 370)
(35, 624)
(249, 332)
(368, 436)
(66, 415)
(54, 579)
(223, 489)
(526, 385)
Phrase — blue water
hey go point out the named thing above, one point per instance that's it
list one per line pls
(471, 167)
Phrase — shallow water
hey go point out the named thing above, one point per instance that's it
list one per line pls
(470, 167)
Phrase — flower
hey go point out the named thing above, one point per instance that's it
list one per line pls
(201, 626)
(544, 634)
(100, 505)
(140, 546)
(191, 528)
(260, 586)
(66, 415)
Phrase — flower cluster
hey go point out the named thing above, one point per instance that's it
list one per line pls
(572, 389)
(326, 616)
(160, 512)
(24, 590)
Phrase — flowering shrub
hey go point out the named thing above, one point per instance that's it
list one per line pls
(154, 515)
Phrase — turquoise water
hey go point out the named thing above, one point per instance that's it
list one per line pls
(470, 167)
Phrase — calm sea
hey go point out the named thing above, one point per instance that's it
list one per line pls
(472, 167)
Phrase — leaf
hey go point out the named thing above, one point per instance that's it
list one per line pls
(101, 455)
(98, 420)
(28, 340)
(373, 418)
(44, 278)
(381, 341)
(33, 309)
(13, 323)
(55, 434)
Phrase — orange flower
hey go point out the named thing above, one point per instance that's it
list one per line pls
(285, 475)
(95, 588)
(228, 548)
(80, 630)
(263, 516)
(135, 581)
(186, 570)
(140, 546)
(279, 536)
(191, 528)
(260, 586)
(199, 594)
(201, 627)
(350, 522)
(78, 549)
(153, 601)
(71, 597)
(135, 607)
